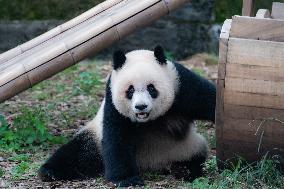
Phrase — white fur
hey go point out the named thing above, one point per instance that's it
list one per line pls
(96, 125)
(140, 69)
(159, 151)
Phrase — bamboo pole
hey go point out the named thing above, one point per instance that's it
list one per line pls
(62, 47)
(100, 8)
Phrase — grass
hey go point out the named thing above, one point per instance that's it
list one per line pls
(263, 174)
(28, 130)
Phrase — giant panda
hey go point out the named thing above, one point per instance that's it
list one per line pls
(145, 123)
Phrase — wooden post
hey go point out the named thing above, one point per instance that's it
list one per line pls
(248, 8)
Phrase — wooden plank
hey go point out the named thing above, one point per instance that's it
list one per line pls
(219, 118)
(251, 139)
(252, 113)
(278, 10)
(255, 72)
(254, 86)
(248, 7)
(255, 52)
(247, 150)
(255, 100)
(255, 28)
(263, 13)
(223, 48)
(249, 130)
(241, 139)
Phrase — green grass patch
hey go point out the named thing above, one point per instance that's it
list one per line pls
(2, 172)
(198, 71)
(86, 82)
(28, 130)
(263, 174)
(211, 59)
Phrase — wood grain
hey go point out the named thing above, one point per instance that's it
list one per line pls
(255, 28)
(278, 10)
(252, 113)
(248, 129)
(223, 48)
(255, 52)
(255, 86)
(254, 100)
(255, 72)
(248, 7)
(219, 113)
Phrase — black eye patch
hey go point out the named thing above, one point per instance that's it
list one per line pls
(129, 92)
(152, 91)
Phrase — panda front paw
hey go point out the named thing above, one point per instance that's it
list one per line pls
(131, 181)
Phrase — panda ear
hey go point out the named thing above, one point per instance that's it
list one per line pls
(160, 55)
(119, 59)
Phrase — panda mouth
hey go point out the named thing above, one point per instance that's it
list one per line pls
(142, 115)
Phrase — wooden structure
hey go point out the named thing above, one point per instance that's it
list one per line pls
(250, 88)
(67, 44)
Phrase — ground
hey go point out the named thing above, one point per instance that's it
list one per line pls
(36, 122)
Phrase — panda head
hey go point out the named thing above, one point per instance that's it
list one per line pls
(143, 84)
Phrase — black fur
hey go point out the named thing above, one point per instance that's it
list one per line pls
(179, 129)
(196, 98)
(119, 59)
(78, 159)
(130, 91)
(118, 145)
(160, 55)
(189, 170)
(152, 91)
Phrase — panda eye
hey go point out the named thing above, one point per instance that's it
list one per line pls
(152, 91)
(129, 92)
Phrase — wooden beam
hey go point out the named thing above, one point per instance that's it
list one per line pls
(278, 10)
(254, 100)
(255, 72)
(255, 28)
(219, 119)
(223, 48)
(248, 8)
(255, 52)
(255, 86)
(252, 113)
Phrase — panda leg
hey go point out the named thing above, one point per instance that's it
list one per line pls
(192, 168)
(189, 169)
(78, 159)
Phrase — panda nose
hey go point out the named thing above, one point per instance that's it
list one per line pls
(141, 107)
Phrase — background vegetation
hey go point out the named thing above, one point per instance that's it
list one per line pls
(227, 8)
(66, 9)
(43, 9)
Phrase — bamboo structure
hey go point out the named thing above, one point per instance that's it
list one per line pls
(67, 44)
(250, 87)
